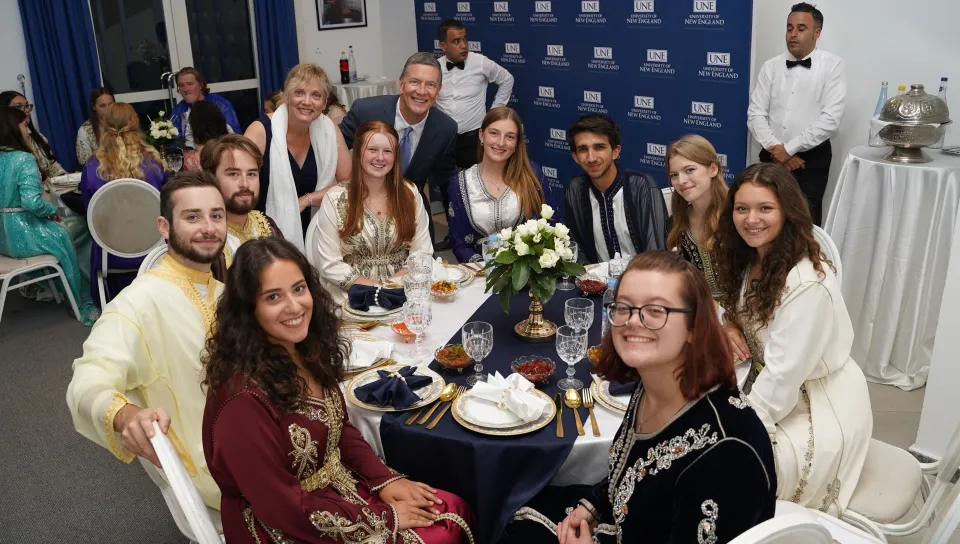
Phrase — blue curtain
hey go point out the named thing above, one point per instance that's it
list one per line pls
(276, 42)
(62, 55)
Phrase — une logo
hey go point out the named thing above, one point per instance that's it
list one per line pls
(463, 7)
(513, 48)
(658, 150)
(430, 7)
(603, 53)
(701, 108)
(543, 7)
(547, 92)
(590, 7)
(475, 47)
(555, 50)
(718, 59)
(704, 6)
(656, 55)
(501, 7)
(592, 96)
(643, 6)
(549, 172)
(558, 134)
(645, 102)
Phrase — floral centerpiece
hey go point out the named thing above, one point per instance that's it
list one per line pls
(163, 134)
(532, 255)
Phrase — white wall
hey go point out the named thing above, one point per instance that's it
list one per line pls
(880, 40)
(14, 58)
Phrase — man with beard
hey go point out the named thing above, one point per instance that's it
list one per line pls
(235, 161)
(149, 338)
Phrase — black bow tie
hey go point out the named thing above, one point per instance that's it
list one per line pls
(452, 65)
(806, 63)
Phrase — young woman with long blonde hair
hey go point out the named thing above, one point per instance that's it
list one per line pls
(501, 191)
(699, 194)
(123, 153)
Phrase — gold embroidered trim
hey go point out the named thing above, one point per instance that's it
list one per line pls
(832, 497)
(590, 508)
(304, 450)
(459, 521)
(707, 529)
(529, 514)
(118, 402)
(368, 528)
(808, 456)
(184, 277)
(255, 227)
(386, 483)
(693, 252)
(182, 453)
(332, 473)
(276, 535)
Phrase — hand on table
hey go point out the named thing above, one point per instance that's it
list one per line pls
(738, 343)
(407, 491)
(135, 426)
(779, 153)
(794, 163)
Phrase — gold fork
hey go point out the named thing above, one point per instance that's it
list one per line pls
(588, 404)
(460, 390)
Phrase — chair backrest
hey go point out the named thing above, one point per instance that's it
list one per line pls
(947, 521)
(122, 217)
(830, 250)
(152, 258)
(667, 197)
(310, 244)
(788, 529)
(186, 493)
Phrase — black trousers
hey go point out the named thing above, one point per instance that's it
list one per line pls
(812, 178)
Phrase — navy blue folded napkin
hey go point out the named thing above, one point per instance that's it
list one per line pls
(394, 388)
(617, 389)
(362, 297)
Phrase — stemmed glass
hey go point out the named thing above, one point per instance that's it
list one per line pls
(578, 313)
(416, 285)
(571, 347)
(477, 342)
(566, 284)
(175, 161)
(488, 249)
(417, 315)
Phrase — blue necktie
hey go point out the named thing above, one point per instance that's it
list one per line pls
(406, 148)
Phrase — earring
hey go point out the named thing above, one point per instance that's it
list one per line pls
(481, 143)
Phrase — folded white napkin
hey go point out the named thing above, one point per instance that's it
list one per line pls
(439, 271)
(511, 393)
(365, 352)
(66, 179)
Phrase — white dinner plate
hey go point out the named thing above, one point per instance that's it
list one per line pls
(374, 313)
(517, 429)
(486, 414)
(601, 392)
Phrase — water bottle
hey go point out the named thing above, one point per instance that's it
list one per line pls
(353, 66)
(901, 89)
(943, 96)
(873, 139)
(616, 266)
(607, 299)
(344, 68)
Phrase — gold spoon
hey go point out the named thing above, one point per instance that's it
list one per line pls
(447, 393)
(572, 399)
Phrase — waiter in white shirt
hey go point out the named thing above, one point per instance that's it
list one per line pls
(464, 93)
(797, 105)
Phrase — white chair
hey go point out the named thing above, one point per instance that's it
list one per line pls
(152, 258)
(948, 521)
(830, 250)
(310, 243)
(122, 219)
(889, 484)
(10, 268)
(841, 531)
(789, 529)
(667, 197)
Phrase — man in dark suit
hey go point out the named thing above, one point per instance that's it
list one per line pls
(428, 137)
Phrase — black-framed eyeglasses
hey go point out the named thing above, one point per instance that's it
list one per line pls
(23, 107)
(652, 316)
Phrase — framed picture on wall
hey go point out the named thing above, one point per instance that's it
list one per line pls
(333, 14)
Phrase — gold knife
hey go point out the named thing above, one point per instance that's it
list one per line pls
(415, 415)
(559, 399)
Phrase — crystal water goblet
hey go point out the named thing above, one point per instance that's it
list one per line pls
(477, 342)
(571, 347)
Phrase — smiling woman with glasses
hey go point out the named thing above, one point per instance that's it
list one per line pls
(39, 146)
(691, 461)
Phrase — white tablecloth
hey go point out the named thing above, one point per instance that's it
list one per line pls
(349, 92)
(893, 225)
(587, 462)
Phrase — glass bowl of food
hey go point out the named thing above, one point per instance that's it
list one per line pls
(444, 289)
(402, 331)
(453, 357)
(591, 284)
(593, 353)
(534, 368)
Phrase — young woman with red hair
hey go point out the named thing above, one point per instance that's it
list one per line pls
(691, 461)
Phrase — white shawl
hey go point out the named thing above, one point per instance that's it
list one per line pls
(282, 200)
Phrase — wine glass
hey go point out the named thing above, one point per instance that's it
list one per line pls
(175, 161)
(416, 289)
(420, 266)
(417, 315)
(566, 284)
(578, 313)
(477, 342)
(571, 347)
(488, 249)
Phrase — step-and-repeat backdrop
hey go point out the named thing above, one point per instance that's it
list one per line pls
(660, 68)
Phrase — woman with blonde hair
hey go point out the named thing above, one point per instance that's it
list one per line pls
(303, 152)
(368, 226)
(123, 153)
(699, 193)
(501, 191)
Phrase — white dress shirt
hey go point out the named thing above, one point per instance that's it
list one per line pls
(463, 95)
(798, 107)
(400, 124)
(619, 225)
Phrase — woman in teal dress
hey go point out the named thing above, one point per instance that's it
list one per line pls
(28, 225)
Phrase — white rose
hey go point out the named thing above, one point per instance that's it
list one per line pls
(174, 132)
(522, 249)
(537, 237)
(548, 259)
(162, 113)
(546, 212)
(154, 133)
(542, 223)
(518, 237)
(506, 233)
(558, 244)
(561, 231)
(566, 253)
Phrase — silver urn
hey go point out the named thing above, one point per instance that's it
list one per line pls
(913, 118)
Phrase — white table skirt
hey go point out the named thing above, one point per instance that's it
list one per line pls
(349, 92)
(893, 225)
(587, 462)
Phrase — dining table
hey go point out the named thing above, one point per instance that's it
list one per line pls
(495, 474)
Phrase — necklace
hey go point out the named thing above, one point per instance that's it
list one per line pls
(377, 209)
(640, 420)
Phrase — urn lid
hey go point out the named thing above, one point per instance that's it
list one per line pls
(915, 107)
